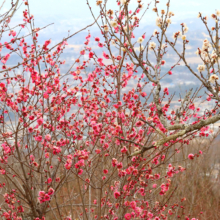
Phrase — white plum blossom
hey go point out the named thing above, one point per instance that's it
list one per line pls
(152, 45)
(205, 54)
(155, 32)
(185, 28)
(154, 9)
(214, 56)
(214, 38)
(206, 18)
(114, 23)
(106, 28)
(123, 2)
(140, 40)
(213, 16)
(206, 46)
(197, 52)
(201, 68)
(99, 2)
(183, 37)
(141, 48)
(110, 13)
(206, 43)
(123, 49)
(126, 28)
(170, 13)
(213, 78)
(164, 46)
(207, 60)
(158, 21)
(163, 12)
(169, 20)
(176, 35)
(113, 42)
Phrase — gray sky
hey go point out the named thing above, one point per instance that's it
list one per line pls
(66, 11)
(79, 9)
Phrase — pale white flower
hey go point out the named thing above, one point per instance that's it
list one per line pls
(164, 46)
(123, 2)
(123, 49)
(201, 68)
(197, 52)
(214, 56)
(207, 60)
(127, 18)
(141, 48)
(128, 43)
(214, 38)
(218, 13)
(158, 21)
(154, 9)
(99, 2)
(176, 35)
(106, 28)
(169, 20)
(110, 12)
(125, 28)
(170, 14)
(213, 16)
(206, 43)
(183, 37)
(140, 6)
(140, 40)
(213, 78)
(114, 23)
(155, 32)
(113, 42)
(185, 29)
(152, 45)
(204, 53)
(206, 47)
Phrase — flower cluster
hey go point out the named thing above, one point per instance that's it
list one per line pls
(45, 197)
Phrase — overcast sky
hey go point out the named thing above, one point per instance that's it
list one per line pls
(65, 11)
(79, 9)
